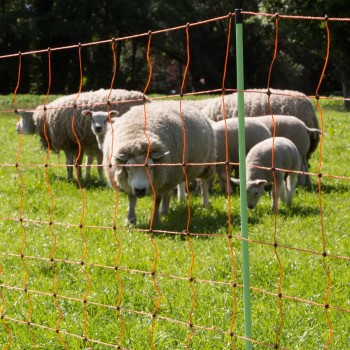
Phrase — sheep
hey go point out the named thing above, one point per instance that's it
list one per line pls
(133, 160)
(100, 121)
(58, 116)
(286, 160)
(284, 102)
(295, 130)
(57, 134)
(255, 131)
(200, 103)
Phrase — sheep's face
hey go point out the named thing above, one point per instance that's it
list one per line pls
(25, 125)
(137, 175)
(99, 123)
(99, 120)
(255, 189)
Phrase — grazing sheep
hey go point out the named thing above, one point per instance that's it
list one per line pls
(295, 130)
(283, 102)
(125, 159)
(255, 131)
(286, 157)
(57, 117)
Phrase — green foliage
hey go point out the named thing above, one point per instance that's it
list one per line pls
(39, 25)
(28, 192)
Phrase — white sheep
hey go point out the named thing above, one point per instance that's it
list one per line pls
(255, 131)
(100, 122)
(286, 163)
(295, 130)
(200, 103)
(134, 161)
(284, 102)
(58, 116)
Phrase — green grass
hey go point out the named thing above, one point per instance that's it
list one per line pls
(25, 193)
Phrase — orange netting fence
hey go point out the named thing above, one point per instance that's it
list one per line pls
(85, 298)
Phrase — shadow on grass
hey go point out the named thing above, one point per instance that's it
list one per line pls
(298, 211)
(202, 220)
(92, 183)
(257, 215)
(338, 187)
(215, 220)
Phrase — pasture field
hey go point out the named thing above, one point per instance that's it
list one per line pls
(60, 288)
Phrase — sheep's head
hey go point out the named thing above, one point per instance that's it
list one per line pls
(25, 124)
(99, 120)
(255, 189)
(137, 174)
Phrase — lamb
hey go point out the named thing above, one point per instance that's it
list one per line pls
(283, 102)
(286, 160)
(57, 117)
(100, 122)
(295, 130)
(134, 161)
(255, 131)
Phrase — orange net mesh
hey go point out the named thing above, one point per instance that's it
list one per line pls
(122, 273)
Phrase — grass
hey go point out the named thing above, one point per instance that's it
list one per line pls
(210, 301)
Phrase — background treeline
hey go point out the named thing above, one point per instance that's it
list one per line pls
(39, 24)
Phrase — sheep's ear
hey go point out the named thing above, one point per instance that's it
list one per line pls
(114, 114)
(122, 158)
(87, 113)
(260, 182)
(235, 181)
(158, 155)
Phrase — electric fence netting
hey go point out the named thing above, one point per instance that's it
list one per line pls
(74, 274)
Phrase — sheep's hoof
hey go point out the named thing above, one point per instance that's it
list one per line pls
(131, 221)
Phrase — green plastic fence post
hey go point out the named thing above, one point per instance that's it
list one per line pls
(242, 176)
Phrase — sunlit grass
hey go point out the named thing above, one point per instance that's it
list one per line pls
(189, 272)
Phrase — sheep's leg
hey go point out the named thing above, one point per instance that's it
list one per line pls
(221, 171)
(165, 202)
(304, 179)
(282, 192)
(205, 192)
(301, 180)
(79, 161)
(278, 191)
(274, 199)
(131, 210)
(181, 192)
(69, 164)
(89, 160)
(156, 216)
(99, 166)
(291, 183)
(307, 179)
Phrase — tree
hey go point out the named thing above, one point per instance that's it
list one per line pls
(306, 41)
(39, 24)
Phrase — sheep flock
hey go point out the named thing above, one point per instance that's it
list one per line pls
(151, 147)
